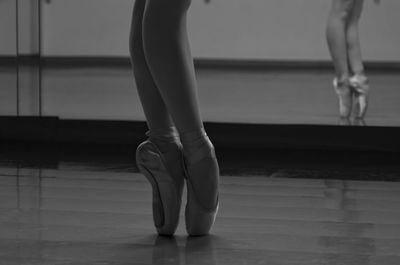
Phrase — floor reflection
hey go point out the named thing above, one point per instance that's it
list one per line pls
(352, 122)
(344, 122)
(75, 215)
(197, 250)
(201, 249)
(166, 251)
(351, 239)
(359, 122)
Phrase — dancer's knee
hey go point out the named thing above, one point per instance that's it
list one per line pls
(342, 9)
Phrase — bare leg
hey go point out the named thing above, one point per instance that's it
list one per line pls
(336, 35)
(353, 40)
(159, 158)
(359, 81)
(154, 107)
(169, 58)
(336, 38)
(170, 61)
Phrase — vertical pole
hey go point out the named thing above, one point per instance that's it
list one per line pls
(40, 57)
(17, 54)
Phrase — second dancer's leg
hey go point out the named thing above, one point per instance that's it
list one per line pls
(358, 80)
(336, 38)
(353, 39)
(170, 61)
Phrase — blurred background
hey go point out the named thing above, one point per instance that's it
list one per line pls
(262, 62)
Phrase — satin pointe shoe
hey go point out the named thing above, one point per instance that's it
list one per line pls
(360, 84)
(167, 182)
(345, 97)
(200, 212)
(344, 122)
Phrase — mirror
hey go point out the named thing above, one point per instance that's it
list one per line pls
(8, 55)
(257, 61)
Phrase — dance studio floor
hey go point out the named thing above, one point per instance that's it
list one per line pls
(81, 210)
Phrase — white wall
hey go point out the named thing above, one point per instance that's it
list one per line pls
(232, 29)
(87, 27)
(7, 27)
(28, 27)
(286, 29)
(240, 29)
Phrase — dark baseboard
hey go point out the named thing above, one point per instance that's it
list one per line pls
(288, 65)
(8, 61)
(28, 129)
(249, 64)
(66, 62)
(52, 130)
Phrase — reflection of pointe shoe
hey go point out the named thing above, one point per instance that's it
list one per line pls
(166, 251)
(345, 97)
(204, 245)
(200, 213)
(167, 185)
(360, 84)
(344, 122)
(359, 122)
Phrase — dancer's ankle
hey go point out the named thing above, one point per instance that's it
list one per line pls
(166, 139)
(196, 145)
(360, 73)
(342, 79)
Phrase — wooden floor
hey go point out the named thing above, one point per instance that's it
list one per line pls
(78, 214)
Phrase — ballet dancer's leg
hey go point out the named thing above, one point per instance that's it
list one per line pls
(359, 81)
(159, 158)
(169, 59)
(168, 55)
(336, 35)
(336, 38)
(353, 40)
(154, 107)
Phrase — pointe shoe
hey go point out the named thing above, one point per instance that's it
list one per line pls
(359, 83)
(345, 97)
(344, 122)
(359, 122)
(167, 185)
(200, 215)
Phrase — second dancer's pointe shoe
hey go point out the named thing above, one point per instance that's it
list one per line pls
(359, 122)
(360, 85)
(167, 183)
(201, 211)
(344, 121)
(345, 97)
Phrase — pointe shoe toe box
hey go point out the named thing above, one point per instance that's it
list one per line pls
(203, 201)
(167, 189)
